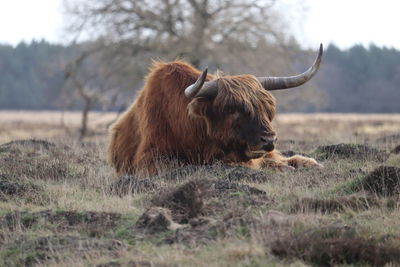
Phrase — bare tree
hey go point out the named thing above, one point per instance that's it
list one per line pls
(199, 30)
(91, 81)
(234, 35)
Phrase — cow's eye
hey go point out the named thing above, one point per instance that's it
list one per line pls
(229, 110)
(235, 115)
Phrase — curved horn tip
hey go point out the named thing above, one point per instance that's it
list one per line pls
(278, 83)
(203, 75)
(193, 89)
(205, 71)
(318, 60)
(321, 49)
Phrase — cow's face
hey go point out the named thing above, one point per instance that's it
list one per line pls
(239, 117)
(238, 110)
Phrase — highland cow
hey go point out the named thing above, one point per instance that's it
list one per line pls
(200, 119)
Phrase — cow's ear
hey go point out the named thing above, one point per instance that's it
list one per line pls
(198, 108)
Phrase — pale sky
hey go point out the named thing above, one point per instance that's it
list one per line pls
(346, 22)
(343, 22)
(30, 19)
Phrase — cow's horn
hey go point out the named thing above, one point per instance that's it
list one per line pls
(277, 83)
(201, 88)
(192, 90)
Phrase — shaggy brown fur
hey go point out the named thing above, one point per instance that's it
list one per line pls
(162, 123)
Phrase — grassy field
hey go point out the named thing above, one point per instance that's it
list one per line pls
(61, 204)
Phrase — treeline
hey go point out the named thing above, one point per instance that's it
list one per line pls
(31, 75)
(358, 79)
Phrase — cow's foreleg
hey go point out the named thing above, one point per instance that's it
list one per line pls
(298, 161)
(276, 160)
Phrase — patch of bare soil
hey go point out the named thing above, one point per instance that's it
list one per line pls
(346, 151)
(21, 191)
(332, 245)
(339, 204)
(88, 223)
(383, 181)
(32, 252)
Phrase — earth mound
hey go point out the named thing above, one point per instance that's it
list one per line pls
(40, 159)
(88, 223)
(345, 151)
(383, 181)
(332, 245)
(11, 189)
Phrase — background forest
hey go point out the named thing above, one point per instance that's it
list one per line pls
(358, 79)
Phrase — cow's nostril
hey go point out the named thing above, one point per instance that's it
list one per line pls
(268, 147)
(268, 139)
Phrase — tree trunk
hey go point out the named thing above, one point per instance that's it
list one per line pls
(84, 122)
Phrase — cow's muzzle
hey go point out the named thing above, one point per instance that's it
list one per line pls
(268, 142)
